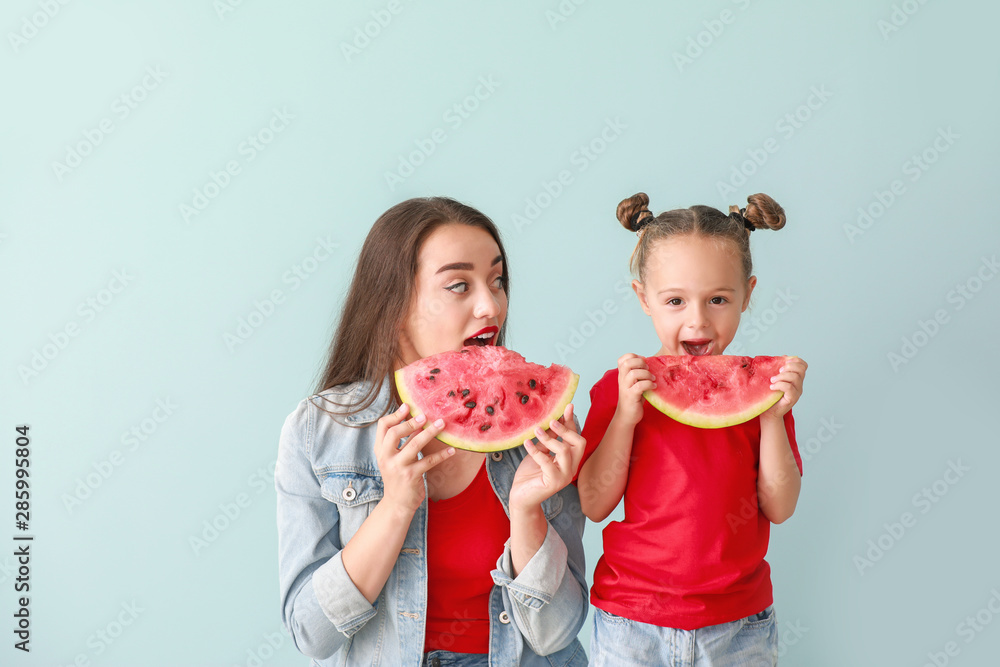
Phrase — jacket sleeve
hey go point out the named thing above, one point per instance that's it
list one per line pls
(320, 605)
(549, 596)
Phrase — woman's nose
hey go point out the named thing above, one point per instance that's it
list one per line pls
(487, 304)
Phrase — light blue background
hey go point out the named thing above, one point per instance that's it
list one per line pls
(558, 82)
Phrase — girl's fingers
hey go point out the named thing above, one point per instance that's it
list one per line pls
(631, 363)
(787, 376)
(638, 374)
(641, 386)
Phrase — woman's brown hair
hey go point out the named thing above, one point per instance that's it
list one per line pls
(761, 212)
(365, 346)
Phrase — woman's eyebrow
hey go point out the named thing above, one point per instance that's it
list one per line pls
(465, 266)
(457, 266)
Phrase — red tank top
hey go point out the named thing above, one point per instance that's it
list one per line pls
(465, 537)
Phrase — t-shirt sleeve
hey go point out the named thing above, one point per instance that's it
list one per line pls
(790, 430)
(603, 403)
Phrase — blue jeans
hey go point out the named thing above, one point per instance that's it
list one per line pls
(748, 642)
(449, 659)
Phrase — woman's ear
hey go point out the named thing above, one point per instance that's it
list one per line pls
(641, 293)
(750, 285)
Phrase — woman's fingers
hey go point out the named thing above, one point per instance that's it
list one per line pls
(544, 461)
(431, 460)
(396, 433)
(561, 450)
(417, 442)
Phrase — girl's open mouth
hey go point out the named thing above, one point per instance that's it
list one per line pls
(697, 347)
(485, 336)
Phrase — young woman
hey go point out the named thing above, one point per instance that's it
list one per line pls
(395, 549)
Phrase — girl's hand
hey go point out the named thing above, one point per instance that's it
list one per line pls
(402, 471)
(633, 379)
(551, 464)
(789, 380)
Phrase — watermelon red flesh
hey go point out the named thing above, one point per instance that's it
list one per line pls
(489, 397)
(713, 391)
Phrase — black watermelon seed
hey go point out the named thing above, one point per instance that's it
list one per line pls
(470, 404)
(435, 370)
(465, 351)
(531, 383)
(485, 427)
(430, 377)
(451, 393)
(524, 399)
(465, 392)
(489, 409)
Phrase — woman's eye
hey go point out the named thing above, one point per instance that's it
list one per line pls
(458, 287)
(499, 282)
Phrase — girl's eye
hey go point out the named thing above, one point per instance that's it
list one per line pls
(717, 300)
(458, 288)
(676, 301)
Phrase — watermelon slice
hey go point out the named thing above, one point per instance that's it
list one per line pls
(713, 391)
(489, 397)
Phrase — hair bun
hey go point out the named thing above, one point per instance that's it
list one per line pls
(633, 213)
(763, 212)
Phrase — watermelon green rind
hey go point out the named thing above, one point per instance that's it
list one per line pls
(699, 420)
(692, 416)
(508, 443)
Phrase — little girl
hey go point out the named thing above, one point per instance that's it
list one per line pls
(683, 578)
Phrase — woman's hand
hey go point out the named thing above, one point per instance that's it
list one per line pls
(789, 380)
(402, 472)
(633, 379)
(551, 463)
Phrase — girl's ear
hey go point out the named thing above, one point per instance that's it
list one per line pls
(750, 285)
(641, 293)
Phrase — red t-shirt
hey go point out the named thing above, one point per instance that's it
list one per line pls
(465, 537)
(690, 551)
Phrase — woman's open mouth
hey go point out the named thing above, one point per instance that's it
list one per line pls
(698, 347)
(485, 336)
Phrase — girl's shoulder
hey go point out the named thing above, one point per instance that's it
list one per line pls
(607, 386)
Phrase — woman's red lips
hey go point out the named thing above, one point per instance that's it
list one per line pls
(485, 336)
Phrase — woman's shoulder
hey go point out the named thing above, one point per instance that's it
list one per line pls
(329, 429)
(352, 404)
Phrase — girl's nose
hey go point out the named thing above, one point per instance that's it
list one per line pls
(698, 318)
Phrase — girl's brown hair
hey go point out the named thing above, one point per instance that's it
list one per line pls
(761, 212)
(365, 346)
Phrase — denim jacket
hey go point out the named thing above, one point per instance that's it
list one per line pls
(327, 480)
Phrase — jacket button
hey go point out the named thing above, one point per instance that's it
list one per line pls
(496, 456)
(504, 618)
(349, 494)
(435, 662)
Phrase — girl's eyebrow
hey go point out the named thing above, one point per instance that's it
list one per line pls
(681, 289)
(465, 266)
